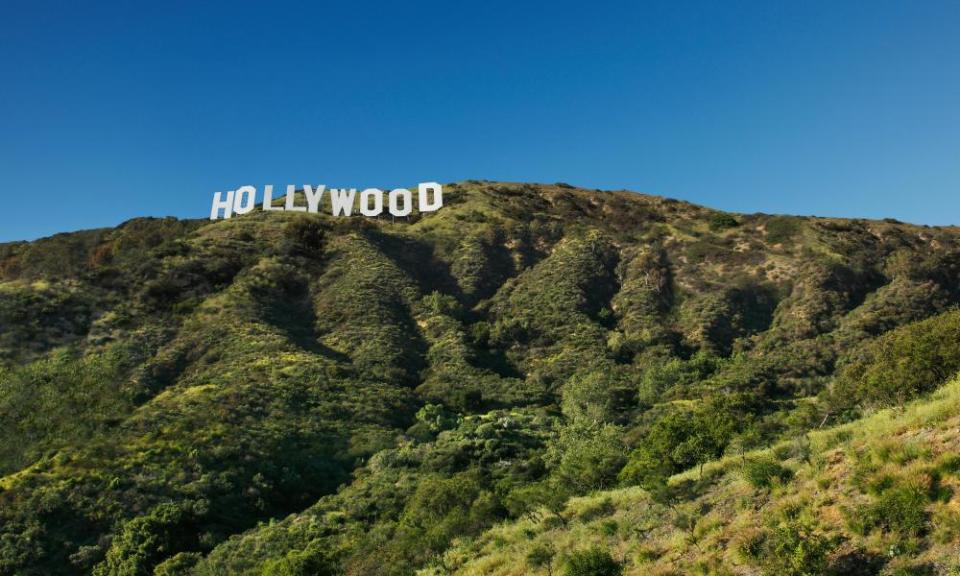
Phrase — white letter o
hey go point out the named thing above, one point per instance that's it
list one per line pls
(244, 199)
(377, 196)
(407, 202)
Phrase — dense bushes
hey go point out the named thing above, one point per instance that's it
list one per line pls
(683, 439)
(644, 299)
(144, 541)
(713, 322)
(60, 399)
(481, 264)
(676, 377)
(300, 563)
(901, 364)
(35, 318)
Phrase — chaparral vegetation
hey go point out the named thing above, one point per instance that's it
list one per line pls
(537, 379)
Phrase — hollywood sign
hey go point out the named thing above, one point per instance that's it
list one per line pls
(341, 200)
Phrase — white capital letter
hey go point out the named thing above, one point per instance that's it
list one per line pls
(313, 198)
(245, 199)
(395, 195)
(226, 205)
(268, 199)
(425, 205)
(341, 200)
(291, 192)
(365, 197)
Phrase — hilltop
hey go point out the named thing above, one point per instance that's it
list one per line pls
(533, 379)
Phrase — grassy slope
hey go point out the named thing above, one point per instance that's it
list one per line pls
(723, 517)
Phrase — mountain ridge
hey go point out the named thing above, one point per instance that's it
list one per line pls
(277, 200)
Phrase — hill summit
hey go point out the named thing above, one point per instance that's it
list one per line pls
(534, 379)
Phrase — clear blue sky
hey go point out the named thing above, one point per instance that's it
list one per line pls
(110, 110)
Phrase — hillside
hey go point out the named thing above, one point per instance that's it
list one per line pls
(497, 387)
(872, 494)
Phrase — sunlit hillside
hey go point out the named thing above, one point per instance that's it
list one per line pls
(535, 379)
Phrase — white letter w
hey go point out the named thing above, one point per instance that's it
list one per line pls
(341, 200)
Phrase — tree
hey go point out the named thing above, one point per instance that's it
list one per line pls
(587, 457)
(685, 438)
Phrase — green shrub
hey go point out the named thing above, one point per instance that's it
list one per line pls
(760, 472)
(720, 221)
(177, 565)
(296, 563)
(676, 375)
(900, 509)
(793, 548)
(780, 229)
(540, 556)
(925, 569)
(592, 562)
(436, 418)
(303, 236)
(545, 332)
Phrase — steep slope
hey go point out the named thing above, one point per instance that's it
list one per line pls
(876, 495)
(306, 394)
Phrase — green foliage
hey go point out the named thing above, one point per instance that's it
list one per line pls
(299, 563)
(646, 295)
(596, 396)
(435, 418)
(900, 509)
(587, 456)
(61, 398)
(304, 236)
(720, 221)
(900, 302)
(365, 311)
(37, 317)
(439, 509)
(178, 564)
(592, 562)
(715, 320)
(145, 541)
(540, 556)
(676, 377)
(481, 264)
(762, 472)
(566, 289)
(795, 548)
(682, 439)
(781, 229)
(901, 364)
